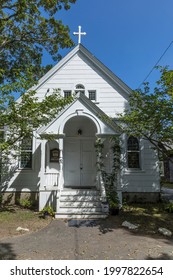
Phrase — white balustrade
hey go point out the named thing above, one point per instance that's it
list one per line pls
(51, 179)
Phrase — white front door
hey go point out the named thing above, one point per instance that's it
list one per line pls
(79, 162)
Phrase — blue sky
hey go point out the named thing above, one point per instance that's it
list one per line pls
(128, 36)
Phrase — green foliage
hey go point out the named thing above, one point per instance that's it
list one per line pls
(110, 179)
(47, 211)
(150, 113)
(23, 117)
(27, 30)
(25, 203)
(99, 152)
(1, 199)
(112, 198)
(169, 207)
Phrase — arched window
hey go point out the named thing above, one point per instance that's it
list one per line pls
(80, 88)
(133, 152)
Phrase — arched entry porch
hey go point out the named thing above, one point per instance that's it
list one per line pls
(79, 152)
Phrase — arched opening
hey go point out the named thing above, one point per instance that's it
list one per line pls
(79, 153)
(80, 88)
(80, 126)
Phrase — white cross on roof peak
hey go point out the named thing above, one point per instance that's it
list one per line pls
(79, 33)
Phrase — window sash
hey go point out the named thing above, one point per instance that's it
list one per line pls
(133, 159)
(26, 154)
(92, 95)
(133, 144)
(26, 160)
(80, 88)
(133, 153)
(67, 93)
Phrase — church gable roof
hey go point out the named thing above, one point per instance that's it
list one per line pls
(93, 61)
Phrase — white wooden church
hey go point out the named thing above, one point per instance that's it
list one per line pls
(63, 172)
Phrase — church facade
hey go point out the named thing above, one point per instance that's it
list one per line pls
(63, 172)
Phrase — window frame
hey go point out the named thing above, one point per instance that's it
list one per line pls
(90, 92)
(25, 151)
(80, 88)
(67, 93)
(134, 150)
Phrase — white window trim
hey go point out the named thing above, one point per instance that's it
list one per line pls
(95, 91)
(139, 170)
(66, 90)
(32, 158)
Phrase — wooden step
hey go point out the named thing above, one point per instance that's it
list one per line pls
(80, 203)
(79, 192)
(80, 216)
(80, 210)
(78, 198)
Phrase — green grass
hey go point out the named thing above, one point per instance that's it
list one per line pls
(167, 185)
(9, 215)
(12, 217)
(149, 216)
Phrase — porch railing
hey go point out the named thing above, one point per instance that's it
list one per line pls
(51, 179)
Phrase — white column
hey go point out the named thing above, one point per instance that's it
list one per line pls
(61, 142)
(61, 175)
(42, 173)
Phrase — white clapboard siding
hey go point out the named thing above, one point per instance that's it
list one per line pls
(78, 71)
(146, 179)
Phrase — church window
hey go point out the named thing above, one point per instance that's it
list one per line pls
(26, 153)
(80, 88)
(67, 93)
(92, 95)
(133, 152)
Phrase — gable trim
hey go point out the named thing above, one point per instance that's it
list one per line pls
(80, 49)
(94, 113)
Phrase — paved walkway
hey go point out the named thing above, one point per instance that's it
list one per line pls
(100, 240)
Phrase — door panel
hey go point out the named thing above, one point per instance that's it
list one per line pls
(72, 163)
(79, 162)
(88, 162)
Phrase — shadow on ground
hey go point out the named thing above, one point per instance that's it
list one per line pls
(161, 257)
(148, 222)
(6, 252)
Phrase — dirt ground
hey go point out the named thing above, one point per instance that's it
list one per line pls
(102, 239)
(12, 217)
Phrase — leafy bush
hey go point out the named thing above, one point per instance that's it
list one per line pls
(169, 207)
(25, 203)
(1, 199)
(47, 211)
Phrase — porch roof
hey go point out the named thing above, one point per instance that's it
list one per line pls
(81, 106)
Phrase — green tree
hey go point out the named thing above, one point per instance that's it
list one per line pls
(150, 114)
(28, 29)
